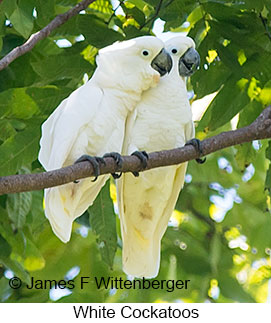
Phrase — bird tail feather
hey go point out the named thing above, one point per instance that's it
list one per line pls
(146, 204)
(65, 203)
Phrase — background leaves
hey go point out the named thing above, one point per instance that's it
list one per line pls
(219, 234)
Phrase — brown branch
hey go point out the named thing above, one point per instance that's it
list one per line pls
(259, 129)
(43, 33)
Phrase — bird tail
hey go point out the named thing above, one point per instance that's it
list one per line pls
(59, 217)
(65, 203)
(141, 246)
(145, 206)
(140, 255)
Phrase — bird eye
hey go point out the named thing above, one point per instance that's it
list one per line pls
(174, 51)
(145, 52)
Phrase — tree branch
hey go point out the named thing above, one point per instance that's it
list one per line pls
(43, 33)
(259, 129)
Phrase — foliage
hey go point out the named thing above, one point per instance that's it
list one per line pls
(219, 237)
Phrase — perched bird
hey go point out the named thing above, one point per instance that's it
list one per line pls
(91, 122)
(161, 120)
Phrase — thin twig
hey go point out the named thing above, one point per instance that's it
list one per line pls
(265, 26)
(114, 11)
(43, 33)
(154, 16)
(259, 129)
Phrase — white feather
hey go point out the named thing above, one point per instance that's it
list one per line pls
(92, 121)
(162, 120)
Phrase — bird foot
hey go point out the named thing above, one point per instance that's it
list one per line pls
(196, 143)
(95, 162)
(143, 157)
(119, 161)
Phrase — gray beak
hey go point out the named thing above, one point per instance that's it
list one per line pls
(162, 63)
(189, 62)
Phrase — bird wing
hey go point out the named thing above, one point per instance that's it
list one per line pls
(59, 132)
(61, 129)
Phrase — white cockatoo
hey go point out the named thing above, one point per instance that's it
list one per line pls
(162, 120)
(91, 121)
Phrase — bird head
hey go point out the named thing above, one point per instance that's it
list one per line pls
(134, 64)
(184, 55)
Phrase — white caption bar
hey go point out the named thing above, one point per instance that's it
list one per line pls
(98, 312)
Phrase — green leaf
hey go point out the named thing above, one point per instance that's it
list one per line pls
(19, 74)
(70, 28)
(84, 219)
(175, 13)
(15, 103)
(61, 67)
(20, 149)
(245, 155)
(230, 100)
(250, 113)
(152, 2)
(33, 258)
(132, 32)
(103, 223)
(4, 289)
(45, 11)
(22, 17)
(215, 251)
(37, 218)
(135, 13)
(67, 3)
(5, 248)
(258, 5)
(18, 206)
(229, 57)
(6, 130)
(267, 184)
(260, 234)
(17, 269)
(220, 11)
(268, 151)
(15, 239)
(265, 94)
(138, 3)
(48, 97)
(211, 80)
(102, 6)
(9, 6)
(231, 289)
(47, 46)
(99, 35)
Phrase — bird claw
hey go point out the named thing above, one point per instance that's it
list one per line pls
(95, 162)
(143, 157)
(119, 161)
(196, 143)
(116, 175)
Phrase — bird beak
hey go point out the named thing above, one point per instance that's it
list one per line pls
(189, 62)
(162, 63)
